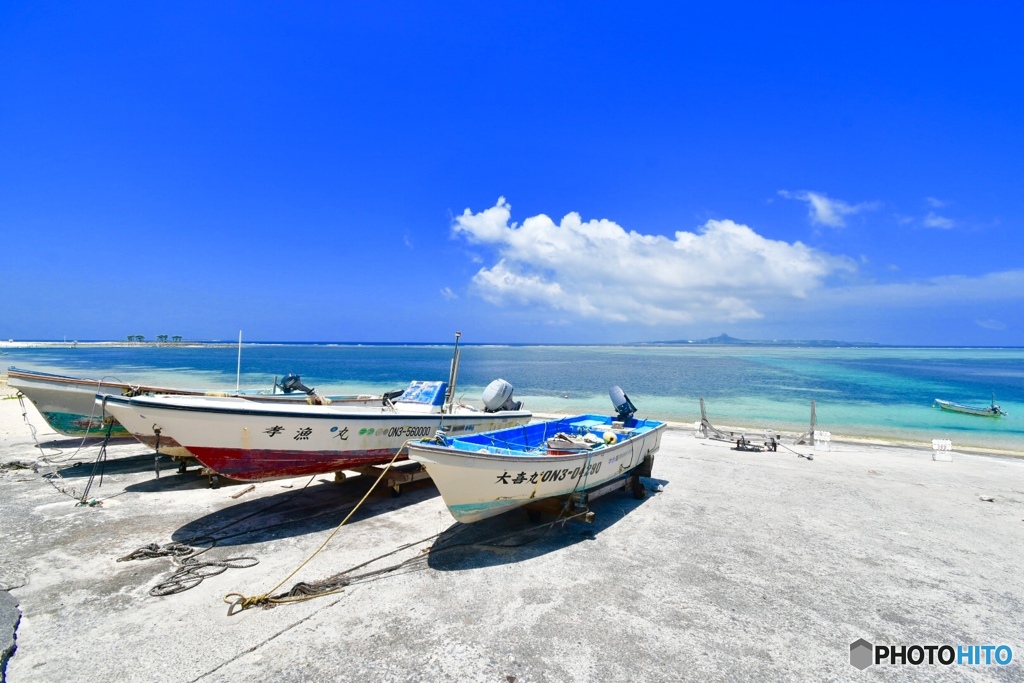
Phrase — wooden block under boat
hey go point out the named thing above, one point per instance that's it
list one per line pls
(554, 508)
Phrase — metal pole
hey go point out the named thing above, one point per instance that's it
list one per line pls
(238, 372)
(453, 376)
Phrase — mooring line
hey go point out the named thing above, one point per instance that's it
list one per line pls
(238, 602)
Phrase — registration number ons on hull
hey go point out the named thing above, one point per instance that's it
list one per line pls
(407, 432)
(550, 475)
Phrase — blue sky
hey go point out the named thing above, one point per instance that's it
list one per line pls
(522, 172)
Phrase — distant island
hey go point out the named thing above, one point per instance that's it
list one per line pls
(725, 340)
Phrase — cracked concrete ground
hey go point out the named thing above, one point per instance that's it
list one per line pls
(746, 566)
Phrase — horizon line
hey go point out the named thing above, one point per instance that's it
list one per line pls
(823, 343)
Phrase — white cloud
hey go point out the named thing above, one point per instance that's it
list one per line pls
(407, 240)
(933, 220)
(447, 293)
(722, 272)
(935, 203)
(826, 211)
(990, 324)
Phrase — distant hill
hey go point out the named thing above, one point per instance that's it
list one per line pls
(725, 340)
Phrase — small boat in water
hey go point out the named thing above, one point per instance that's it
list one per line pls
(992, 411)
(483, 475)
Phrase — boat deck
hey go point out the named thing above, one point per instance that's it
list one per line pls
(531, 439)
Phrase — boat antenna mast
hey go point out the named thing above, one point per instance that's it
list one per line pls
(453, 376)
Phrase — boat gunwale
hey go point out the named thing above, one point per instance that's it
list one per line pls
(521, 456)
(45, 377)
(300, 410)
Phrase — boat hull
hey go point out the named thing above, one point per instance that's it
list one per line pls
(479, 484)
(70, 407)
(259, 442)
(68, 404)
(140, 424)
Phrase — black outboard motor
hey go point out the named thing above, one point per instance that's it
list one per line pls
(292, 382)
(624, 408)
(389, 397)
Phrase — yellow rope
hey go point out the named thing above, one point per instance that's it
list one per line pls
(238, 602)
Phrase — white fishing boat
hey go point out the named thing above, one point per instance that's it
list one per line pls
(991, 411)
(483, 475)
(138, 425)
(256, 441)
(68, 404)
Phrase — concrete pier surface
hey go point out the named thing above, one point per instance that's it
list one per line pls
(737, 566)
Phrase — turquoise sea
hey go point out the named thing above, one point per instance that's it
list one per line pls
(876, 392)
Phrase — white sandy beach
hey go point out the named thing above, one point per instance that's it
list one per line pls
(745, 566)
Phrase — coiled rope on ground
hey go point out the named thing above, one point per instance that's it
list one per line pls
(190, 571)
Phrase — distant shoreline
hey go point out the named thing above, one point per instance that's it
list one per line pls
(10, 344)
(42, 344)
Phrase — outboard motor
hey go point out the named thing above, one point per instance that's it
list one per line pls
(292, 382)
(389, 397)
(624, 408)
(498, 396)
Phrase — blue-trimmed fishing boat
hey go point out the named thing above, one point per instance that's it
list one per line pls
(483, 475)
